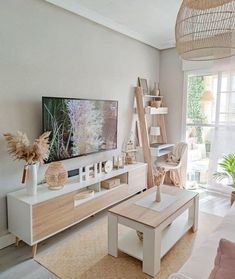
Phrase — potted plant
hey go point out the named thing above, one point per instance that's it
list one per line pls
(21, 149)
(228, 171)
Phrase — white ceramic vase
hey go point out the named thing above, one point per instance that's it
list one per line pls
(158, 194)
(31, 180)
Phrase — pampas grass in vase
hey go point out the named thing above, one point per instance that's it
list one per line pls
(20, 148)
(159, 177)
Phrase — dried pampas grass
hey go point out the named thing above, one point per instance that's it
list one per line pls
(159, 176)
(21, 149)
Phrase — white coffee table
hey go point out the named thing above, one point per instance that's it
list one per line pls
(162, 224)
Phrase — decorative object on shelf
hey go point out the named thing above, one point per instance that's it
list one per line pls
(143, 84)
(108, 166)
(159, 177)
(130, 145)
(118, 162)
(99, 168)
(56, 176)
(227, 171)
(122, 159)
(156, 91)
(21, 149)
(84, 195)
(205, 29)
(110, 183)
(95, 170)
(157, 102)
(90, 171)
(130, 152)
(82, 174)
(115, 162)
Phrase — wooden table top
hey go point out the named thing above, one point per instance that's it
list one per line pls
(148, 216)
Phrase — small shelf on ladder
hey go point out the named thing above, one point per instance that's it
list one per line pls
(160, 149)
(150, 96)
(152, 110)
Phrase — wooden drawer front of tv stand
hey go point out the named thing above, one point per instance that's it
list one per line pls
(52, 216)
(58, 213)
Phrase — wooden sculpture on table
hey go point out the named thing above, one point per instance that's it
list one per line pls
(56, 176)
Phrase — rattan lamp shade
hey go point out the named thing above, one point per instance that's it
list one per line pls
(205, 29)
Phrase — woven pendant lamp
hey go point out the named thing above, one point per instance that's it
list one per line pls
(205, 29)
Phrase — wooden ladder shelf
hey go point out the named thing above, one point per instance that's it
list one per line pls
(160, 147)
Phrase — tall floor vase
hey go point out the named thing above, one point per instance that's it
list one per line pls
(31, 180)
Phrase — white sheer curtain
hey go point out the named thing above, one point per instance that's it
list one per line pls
(222, 124)
(223, 137)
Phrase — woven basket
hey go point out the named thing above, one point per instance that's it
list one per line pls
(155, 104)
(56, 176)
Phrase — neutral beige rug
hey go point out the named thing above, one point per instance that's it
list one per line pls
(85, 256)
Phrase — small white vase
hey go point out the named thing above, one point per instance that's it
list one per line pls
(158, 194)
(31, 180)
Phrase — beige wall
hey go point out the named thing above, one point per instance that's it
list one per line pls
(45, 50)
(171, 86)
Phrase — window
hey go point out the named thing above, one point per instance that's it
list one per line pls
(210, 124)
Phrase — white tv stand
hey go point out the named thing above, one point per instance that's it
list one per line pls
(35, 218)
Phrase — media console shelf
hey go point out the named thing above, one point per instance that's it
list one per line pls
(33, 219)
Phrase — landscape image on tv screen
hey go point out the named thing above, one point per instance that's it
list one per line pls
(79, 127)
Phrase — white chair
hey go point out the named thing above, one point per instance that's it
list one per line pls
(176, 165)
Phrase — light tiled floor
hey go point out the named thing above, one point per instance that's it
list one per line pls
(214, 203)
(16, 263)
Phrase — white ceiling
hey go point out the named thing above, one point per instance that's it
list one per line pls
(149, 21)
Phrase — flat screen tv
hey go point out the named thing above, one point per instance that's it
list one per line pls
(79, 126)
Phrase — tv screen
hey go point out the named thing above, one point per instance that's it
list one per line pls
(79, 126)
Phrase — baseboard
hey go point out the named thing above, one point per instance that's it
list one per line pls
(6, 240)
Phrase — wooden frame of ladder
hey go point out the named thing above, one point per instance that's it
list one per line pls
(144, 135)
(157, 120)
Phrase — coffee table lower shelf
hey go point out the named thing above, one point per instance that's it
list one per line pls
(130, 244)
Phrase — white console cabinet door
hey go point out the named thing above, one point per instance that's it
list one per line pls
(20, 219)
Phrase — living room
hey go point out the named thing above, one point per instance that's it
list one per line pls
(116, 139)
